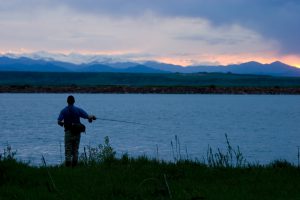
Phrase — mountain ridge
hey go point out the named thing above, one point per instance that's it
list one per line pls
(10, 63)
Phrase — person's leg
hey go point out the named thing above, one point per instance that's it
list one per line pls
(75, 147)
(68, 148)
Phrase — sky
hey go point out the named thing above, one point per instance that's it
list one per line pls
(185, 32)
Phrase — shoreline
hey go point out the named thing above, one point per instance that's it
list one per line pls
(150, 89)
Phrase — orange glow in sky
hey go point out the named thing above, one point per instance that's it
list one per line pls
(293, 60)
(232, 59)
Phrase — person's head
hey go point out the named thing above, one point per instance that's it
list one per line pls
(71, 100)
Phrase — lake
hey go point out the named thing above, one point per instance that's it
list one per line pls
(265, 127)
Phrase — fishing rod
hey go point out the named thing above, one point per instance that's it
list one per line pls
(114, 120)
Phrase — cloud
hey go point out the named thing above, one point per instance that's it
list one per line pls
(190, 29)
(278, 20)
(66, 30)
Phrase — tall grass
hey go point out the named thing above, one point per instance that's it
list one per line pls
(231, 157)
(95, 155)
(101, 175)
(8, 153)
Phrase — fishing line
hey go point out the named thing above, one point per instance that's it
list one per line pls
(122, 121)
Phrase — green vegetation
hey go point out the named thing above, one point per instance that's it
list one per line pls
(101, 175)
(142, 80)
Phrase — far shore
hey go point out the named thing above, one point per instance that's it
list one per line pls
(150, 89)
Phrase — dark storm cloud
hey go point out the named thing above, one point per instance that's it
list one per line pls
(277, 20)
(274, 19)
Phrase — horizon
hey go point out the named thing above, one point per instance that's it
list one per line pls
(181, 33)
(68, 59)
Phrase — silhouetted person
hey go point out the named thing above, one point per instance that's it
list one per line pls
(69, 117)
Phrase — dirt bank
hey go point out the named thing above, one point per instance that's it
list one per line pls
(148, 90)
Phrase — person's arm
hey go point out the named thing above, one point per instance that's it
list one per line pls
(60, 119)
(84, 115)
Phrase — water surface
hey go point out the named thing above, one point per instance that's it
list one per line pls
(265, 127)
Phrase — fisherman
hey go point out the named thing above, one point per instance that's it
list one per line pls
(70, 118)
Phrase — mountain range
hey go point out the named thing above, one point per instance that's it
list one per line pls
(46, 64)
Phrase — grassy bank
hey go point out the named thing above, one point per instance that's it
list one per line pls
(43, 79)
(142, 178)
(173, 83)
(147, 179)
(101, 175)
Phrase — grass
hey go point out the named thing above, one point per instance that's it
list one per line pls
(101, 175)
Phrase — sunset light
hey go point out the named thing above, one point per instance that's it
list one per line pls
(150, 99)
(151, 32)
